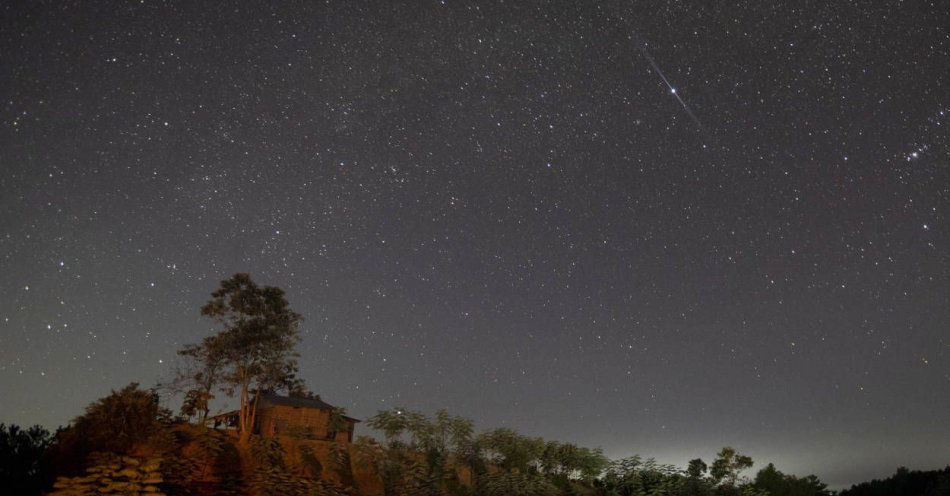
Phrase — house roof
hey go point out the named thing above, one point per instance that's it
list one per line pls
(273, 399)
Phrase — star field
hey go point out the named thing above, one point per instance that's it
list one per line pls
(657, 228)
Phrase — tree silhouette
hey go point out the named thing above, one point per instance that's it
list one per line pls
(905, 482)
(696, 468)
(121, 419)
(435, 440)
(114, 423)
(24, 468)
(728, 465)
(511, 451)
(200, 378)
(254, 351)
(776, 483)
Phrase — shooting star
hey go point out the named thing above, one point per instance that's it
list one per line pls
(643, 49)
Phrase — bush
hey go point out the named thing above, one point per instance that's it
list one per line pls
(112, 424)
(203, 462)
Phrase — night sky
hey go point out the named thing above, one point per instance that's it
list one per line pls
(654, 227)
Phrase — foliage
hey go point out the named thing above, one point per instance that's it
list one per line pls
(905, 482)
(337, 422)
(121, 419)
(196, 402)
(340, 463)
(775, 483)
(419, 449)
(392, 464)
(326, 488)
(516, 484)
(267, 452)
(197, 380)
(209, 456)
(569, 461)
(273, 477)
(424, 454)
(634, 476)
(254, 351)
(511, 451)
(269, 481)
(696, 468)
(420, 456)
(311, 464)
(728, 465)
(24, 468)
(114, 423)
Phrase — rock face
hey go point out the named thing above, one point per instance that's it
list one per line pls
(119, 476)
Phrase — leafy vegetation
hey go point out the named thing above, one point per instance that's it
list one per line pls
(198, 456)
(420, 454)
(24, 466)
(126, 443)
(775, 483)
(516, 484)
(905, 483)
(114, 424)
(253, 352)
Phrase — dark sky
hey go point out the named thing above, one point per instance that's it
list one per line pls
(501, 208)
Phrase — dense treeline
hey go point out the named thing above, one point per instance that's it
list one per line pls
(503, 462)
(418, 455)
(127, 443)
(906, 483)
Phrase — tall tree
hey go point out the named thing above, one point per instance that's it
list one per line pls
(696, 468)
(633, 476)
(254, 351)
(437, 439)
(511, 451)
(775, 483)
(116, 423)
(727, 466)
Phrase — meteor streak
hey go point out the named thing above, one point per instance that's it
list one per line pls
(642, 46)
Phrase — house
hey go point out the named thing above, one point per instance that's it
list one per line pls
(308, 418)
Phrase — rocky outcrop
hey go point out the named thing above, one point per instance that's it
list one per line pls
(120, 476)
